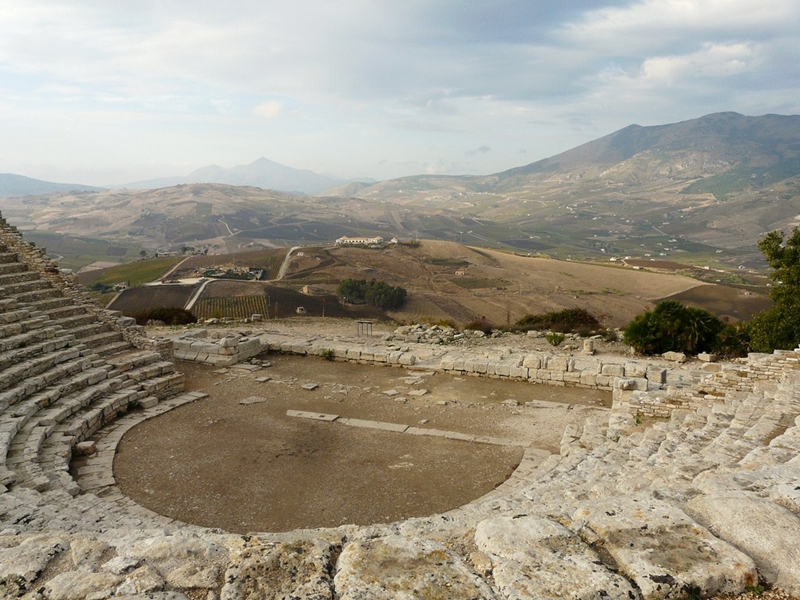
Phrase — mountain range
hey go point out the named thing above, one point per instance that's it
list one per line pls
(19, 185)
(262, 173)
(704, 190)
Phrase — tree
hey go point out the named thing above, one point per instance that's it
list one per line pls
(374, 293)
(778, 327)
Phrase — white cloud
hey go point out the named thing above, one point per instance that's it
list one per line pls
(268, 110)
(185, 81)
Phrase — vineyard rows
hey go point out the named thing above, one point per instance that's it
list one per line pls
(236, 307)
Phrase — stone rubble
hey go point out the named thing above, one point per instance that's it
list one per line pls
(701, 501)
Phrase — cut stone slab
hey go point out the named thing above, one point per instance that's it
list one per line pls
(767, 532)
(398, 427)
(391, 392)
(663, 550)
(310, 386)
(420, 392)
(311, 415)
(253, 400)
(401, 568)
(264, 379)
(538, 558)
(246, 367)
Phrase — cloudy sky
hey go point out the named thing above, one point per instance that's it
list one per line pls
(104, 92)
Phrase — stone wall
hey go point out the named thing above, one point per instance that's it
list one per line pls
(222, 350)
(732, 381)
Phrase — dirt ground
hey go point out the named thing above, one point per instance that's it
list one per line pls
(249, 467)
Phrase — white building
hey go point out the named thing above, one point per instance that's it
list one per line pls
(359, 241)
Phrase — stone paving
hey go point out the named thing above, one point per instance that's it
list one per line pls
(703, 502)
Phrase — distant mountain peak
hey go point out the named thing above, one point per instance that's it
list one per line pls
(262, 172)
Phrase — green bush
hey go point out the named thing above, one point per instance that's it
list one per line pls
(673, 327)
(554, 338)
(168, 316)
(569, 320)
(733, 341)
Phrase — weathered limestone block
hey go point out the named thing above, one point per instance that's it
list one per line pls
(532, 361)
(446, 363)
(538, 558)
(612, 370)
(630, 384)
(22, 563)
(656, 375)
(502, 369)
(663, 550)
(519, 372)
(401, 568)
(557, 363)
(229, 342)
(72, 585)
(278, 571)
(144, 580)
(407, 359)
(678, 357)
(767, 532)
(634, 369)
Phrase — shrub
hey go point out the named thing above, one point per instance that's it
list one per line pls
(168, 316)
(480, 325)
(555, 338)
(733, 341)
(328, 354)
(673, 327)
(569, 320)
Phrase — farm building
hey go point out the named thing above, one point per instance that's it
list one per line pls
(359, 241)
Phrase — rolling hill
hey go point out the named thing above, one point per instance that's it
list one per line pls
(702, 192)
(19, 185)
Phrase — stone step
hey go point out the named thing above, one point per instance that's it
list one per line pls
(32, 282)
(111, 349)
(12, 267)
(20, 325)
(19, 277)
(34, 296)
(45, 305)
(22, 333)
(21, 381)
(8, 257)
(95, 336)
(75, 322)
(6, 304)
(16, 359)
(14, 314)
(133, 360)
(61, 310)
